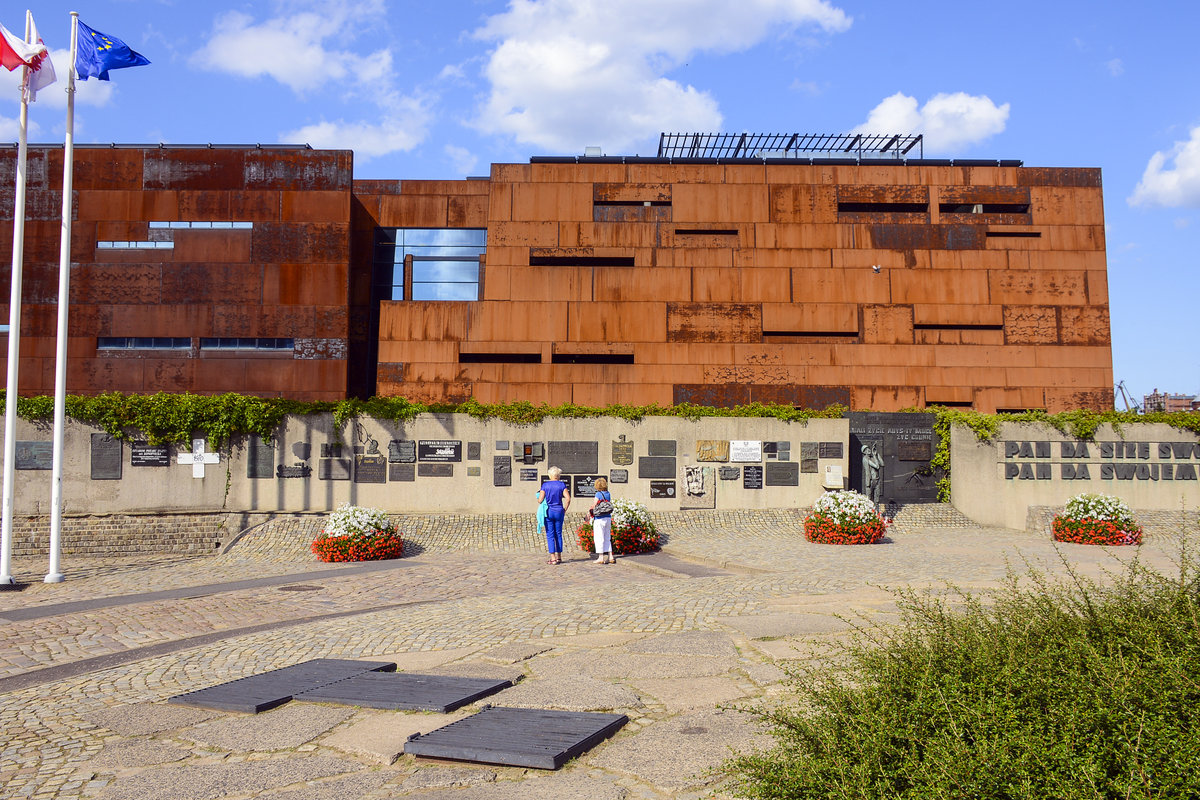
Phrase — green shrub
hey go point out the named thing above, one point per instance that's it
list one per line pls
(1050, 690)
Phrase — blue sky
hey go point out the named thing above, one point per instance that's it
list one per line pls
(441, 90)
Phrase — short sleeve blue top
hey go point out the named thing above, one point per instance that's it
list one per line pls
(554, 493)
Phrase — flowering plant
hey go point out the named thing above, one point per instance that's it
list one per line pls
(1096, 519)
(844, 517)
(354, 533)
(632, 530)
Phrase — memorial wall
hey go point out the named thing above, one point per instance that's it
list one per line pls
(1149, 466)
(442, 462)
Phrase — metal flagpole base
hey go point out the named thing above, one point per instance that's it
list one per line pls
(7, 579)
(55, 577)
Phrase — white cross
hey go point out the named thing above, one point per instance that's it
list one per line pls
(198, 458)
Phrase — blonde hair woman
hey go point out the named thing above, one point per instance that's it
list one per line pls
(601, 516)
(558, 500)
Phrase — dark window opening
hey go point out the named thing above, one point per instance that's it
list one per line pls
(949, 403)
(142, 343)
(591, 358)
(705, 232)
(883, 208)
(628, 203)
(499, 358)
(939, 327)
(1018, 410)
(247, 343)
(581, 261)
(1014, 234)
(983, 208)
(813, 334)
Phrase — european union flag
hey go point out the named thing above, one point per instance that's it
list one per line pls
(97, 53)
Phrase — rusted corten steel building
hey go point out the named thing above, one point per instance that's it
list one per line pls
(715, 278)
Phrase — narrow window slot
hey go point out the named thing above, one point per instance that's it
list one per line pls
(591, 358)
(499, 358)
(882, 208)
(581, 261)
(1014, 234)
(704, 232)
(940, 327)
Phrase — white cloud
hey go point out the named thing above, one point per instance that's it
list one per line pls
(1116, 67)
(949, 122)
(1172, 184)
(463, 160)
(569, 73)
(405, 126)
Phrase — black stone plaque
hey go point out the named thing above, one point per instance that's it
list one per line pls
(107, 454)
(662, 489)
(334, 469)
(402, 472)
(149, 455)
(783, 474)
(830, 450)
(771, 448)
(884, 447)
(808, 465)
(575, 457)
(294, 471)
(622, 452)
(656, 466)
(402, 451)
(729, 473)
(302, 450)
(439, 450)
(435, 470)
(501, 470)
(370, 469)
(473, 451)
(260, 458)
(474, 471)
(331, 450)
(808, 450)
(662, 447)
(618, 476)
(502, 445)
(752, 476)
(584, 485)
(530, 474)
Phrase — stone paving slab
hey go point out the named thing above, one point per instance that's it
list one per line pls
(279, 729)
(140, 719)
(380, 736)
(213, 781)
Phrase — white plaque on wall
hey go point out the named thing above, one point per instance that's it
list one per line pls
(740, 450)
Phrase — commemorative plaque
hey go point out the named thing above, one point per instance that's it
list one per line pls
(808, 465)
(622, 452)
(299, 470)
(531, 452)
(502, 445)
(149, 455)
(106, 457)
(435, 470)
(501, 471)
(35, 455)
(439, 450)
(699, 487)
(260, 458)
(402, 451)
(370, 469)
(530, 474)
(752, 476)
(830, 450)
(808, 450)
(786, 473)
(746, 451)
(712, 450)
(331, 450)
(770, 449)
(575, 457)
(890, 456)
(729, 473)
(302, 450)
(334, 469)
(664, 489)
(402, 472)
(656, 467)
(584, 485)
(473, 451)
(662, 447)
(474, 471)
(618, 476)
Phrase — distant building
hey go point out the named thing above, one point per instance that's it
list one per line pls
(722, 271)
(1163, 401)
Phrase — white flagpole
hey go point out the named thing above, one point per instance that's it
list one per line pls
(14, 339)
(54, 575)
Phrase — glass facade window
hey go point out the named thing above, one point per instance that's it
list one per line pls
(143, 343)
(135, 245)
(444, 263)
(193, 225)
(247, 343)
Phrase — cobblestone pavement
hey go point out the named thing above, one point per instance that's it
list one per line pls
(473, 597)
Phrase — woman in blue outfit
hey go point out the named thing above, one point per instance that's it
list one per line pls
(558, 500)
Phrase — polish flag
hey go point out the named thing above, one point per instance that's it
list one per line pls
(16, 52)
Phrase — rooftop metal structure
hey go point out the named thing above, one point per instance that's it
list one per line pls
(788, 145)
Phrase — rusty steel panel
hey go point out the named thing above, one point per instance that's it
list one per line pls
(123, 284)
(1058, 176)
(1030, 325)
(631, 192)
(212, 283)
(723, 395)
(318, 170)
(179, 168)
(237, 321)
(467, 212)
(887, 324)
(803, 203)
(168, 374)
(205, 205)
(106, 168)
(107, 375)
(603, 213)
(714, 322)
(212, 246)
(883, 194)
(899, 236)
(1084, 325)
(287, 321)
(305, 284)
(413, 211)
(40, 204)
(1068, 400)
(333, 321)
(300, 242)
(1012, 195)
(986, 219)
(390, 372)
(801, 396)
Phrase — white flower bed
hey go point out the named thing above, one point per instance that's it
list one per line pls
(348, 519)
(847, 507)
(628, 512)
(1103, 507)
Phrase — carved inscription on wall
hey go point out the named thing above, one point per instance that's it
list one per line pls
(712, 450)
(1100, 461)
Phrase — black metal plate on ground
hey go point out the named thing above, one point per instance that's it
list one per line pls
(402, 690)
(518, 737)
(269, 689)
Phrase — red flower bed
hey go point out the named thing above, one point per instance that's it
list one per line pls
(1093, 531)
(369, 546)
(823, 529)
(628, 540)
